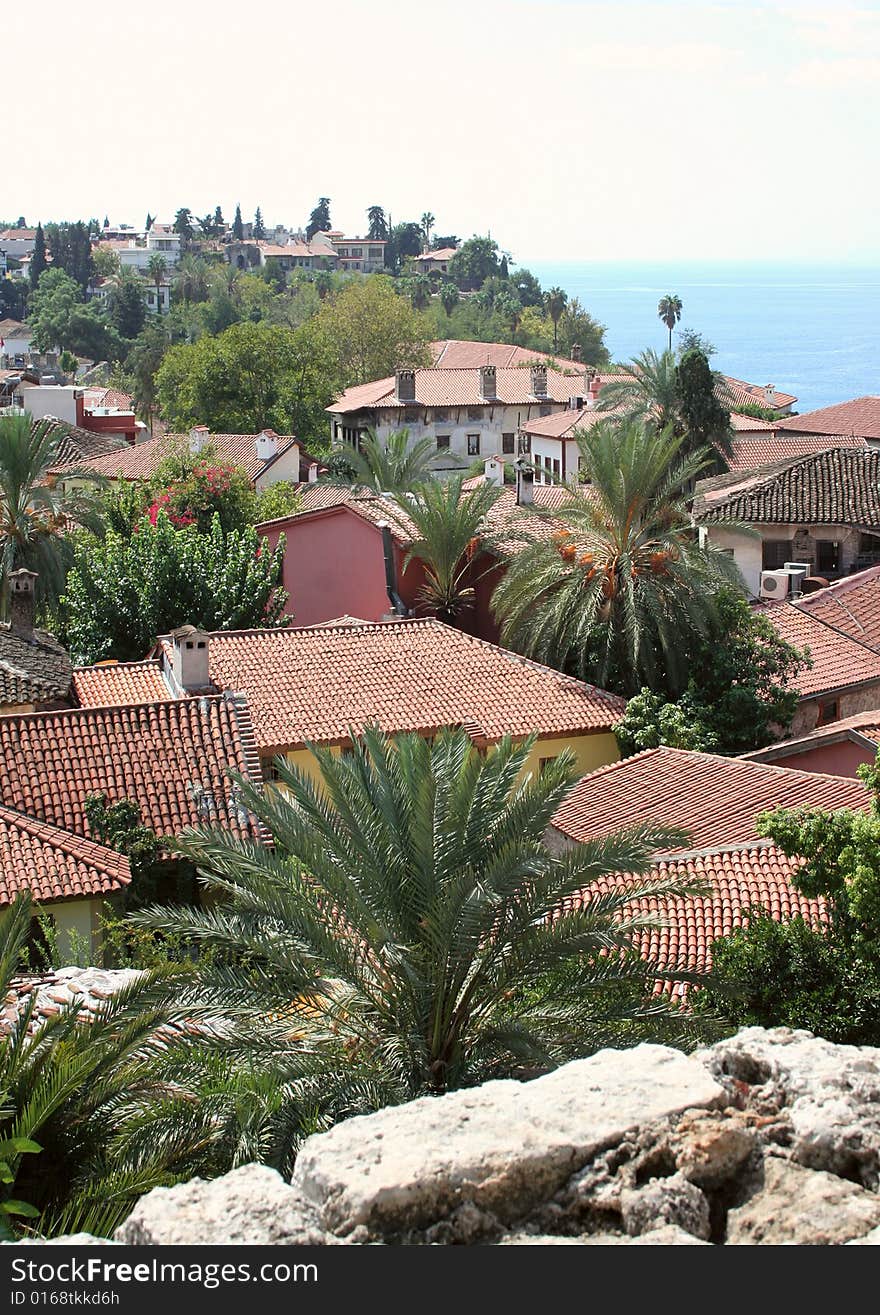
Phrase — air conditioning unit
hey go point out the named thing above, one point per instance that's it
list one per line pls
(798, 572)
(775, 584)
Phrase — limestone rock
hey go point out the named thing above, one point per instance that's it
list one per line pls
(711, 1149)
(504, 1146)
(803, 1207)
(871, 1239)
(662, 1201)
(668, 1235)
(250, 1205)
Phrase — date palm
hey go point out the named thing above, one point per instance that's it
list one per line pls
(408, 917)
(555, 302)
(647, 389)
(669, 311)
(621, 589)
(157, 267)
(35, 514)
(192, 282)
(427, 223)
(390, 465)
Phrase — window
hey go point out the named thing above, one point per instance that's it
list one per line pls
(410, 416)
(270, 770)
(544, 763)
(829, 710)
(525, 444)
(442, 442)
(475, 413)
(507, 441)
(827, 556)
(473, 445)
(775, 553)
(441, 416)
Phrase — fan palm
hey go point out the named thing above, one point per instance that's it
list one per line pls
(156, 268)
(427, 223)
(669, 311)
(555, 302)
(625, 584)
(392, 465)
(34, 513)
(410, 916)
(448, 527)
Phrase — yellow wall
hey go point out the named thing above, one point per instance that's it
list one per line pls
(78, 925)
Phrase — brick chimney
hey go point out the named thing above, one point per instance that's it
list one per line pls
(267, 445)
(198, 438)
(189, 658)
(593, 390)
(22, 602)
(488, 383)
(576, 351)
(539, 380)
(405, 385)
(494, 468)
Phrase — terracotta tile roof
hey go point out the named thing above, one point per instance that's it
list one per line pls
(171, 757)
(839, 661)
(717, 799)
(461, 354)
(752, 452)
(54, 864)
(142, 460)
(442, 253)
(35, 670)
(862, 728)
(314, 683)
(450, 387)
(78, 446)
(14, 329)
(851, 605)
(749, 877)
(740, 394)
(839, 486)
(563, 424)
(48, 993)
(109, 684)
(860, 417)
(746, 424)
(108, 397)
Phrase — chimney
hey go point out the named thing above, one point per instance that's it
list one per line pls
(593, 389)
(405, 385)
(198, 438)
(769, 394)
(189, 658)
(494, 468)
(22, 602)
(525, 483)
(539, 380)
(575, 351)
(267, 445)
(488, 383)
(313, 473)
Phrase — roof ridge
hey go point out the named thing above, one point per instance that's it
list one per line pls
(72, 844)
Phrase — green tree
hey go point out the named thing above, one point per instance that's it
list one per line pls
(191, 282)
(377, 224)
(797, 974)
(183, 224)
(427, 222)
(370, 332)
(577, 327)
(407, 921)
(122, 591)
(259, 227)
(474, 262)
(237, 225)
(453, 542)
(125, 304)
(280, 499)
(38, 258)
(555, 301)
(219, 222)
(392, 465)
(149, 222)
(740, 692)
(34, 515)
(449, 297)
(319, 219)
(106, 262)
(680, 396)
(624, 587)
(702, 416)
(144, 358)
(528, 287)
(71, 250)
(68, 363)
(418, 289)
(193, 488)
(120, 826)
(157, 268)
(669, 311)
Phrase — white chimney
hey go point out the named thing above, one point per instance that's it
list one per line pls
(189, 658)
(198, 438)
(488, 383)
(525, 483)
(267, 445)
(769, 394)
(494, 468)
(313, 473)
(539, 380)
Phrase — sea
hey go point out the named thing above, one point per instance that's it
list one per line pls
(813, 331)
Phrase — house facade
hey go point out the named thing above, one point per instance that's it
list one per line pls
(360, 255)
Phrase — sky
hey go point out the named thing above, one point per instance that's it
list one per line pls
(638, 130)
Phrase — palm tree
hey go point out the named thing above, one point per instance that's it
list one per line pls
(646, 390)
(621, 589)
(427, 223)
(449, 297)
(35, 514)
(669, 310)
(192, 282)
(555, 302)
(408, 917)
(156, 268)
(452, 528)
(391, 465)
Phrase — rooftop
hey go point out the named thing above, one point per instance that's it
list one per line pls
(446, 386)
(838, 486)
(111, 683)
(54, 864)
(754, 450)
(862, 728)
(318, 684)
(142, 460)
(32, 670)
(839, 661)
(860, 417)
(851, 605)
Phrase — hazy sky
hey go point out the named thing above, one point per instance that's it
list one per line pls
(634, 130)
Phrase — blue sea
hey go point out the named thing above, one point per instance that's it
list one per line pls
(811, 330)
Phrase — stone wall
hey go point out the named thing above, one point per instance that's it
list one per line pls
(767, 1137)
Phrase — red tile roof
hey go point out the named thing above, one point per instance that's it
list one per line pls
(448, 387)
(839, 661)
(142, 460)
(752, 452)
(112, 683)
(461, 354)
(54, 864)
(851, 605)
(315, 683)
(170, 757)
(839, 486)
(740, 394)
(861, 417)
(862, 728)
(717, 799)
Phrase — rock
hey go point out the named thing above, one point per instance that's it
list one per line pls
(504, 1146)
(668, 1235)
(803, 1206)
(830, 1094)
(871, 1239)
(251, 1205)
(665, 1201)
(67, 1240)
(710, 1149)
